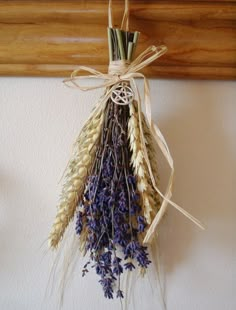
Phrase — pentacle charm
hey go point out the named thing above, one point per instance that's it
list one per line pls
(122, 94)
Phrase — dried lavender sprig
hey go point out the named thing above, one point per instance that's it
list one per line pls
(110, 211)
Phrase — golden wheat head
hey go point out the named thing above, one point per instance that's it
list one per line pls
(149, 199)
(76, 175)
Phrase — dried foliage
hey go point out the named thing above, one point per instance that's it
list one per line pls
(76, 175)
(150, 201)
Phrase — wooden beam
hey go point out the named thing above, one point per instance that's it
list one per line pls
(50, 38)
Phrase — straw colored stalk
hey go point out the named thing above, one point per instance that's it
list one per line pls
(76, 175)
(149, 199)
(151, 146)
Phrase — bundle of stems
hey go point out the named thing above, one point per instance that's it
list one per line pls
(108, 186)
(122, 44)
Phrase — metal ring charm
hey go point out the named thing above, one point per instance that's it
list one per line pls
(122, 94)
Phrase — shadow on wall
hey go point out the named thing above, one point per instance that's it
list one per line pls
(195, 133)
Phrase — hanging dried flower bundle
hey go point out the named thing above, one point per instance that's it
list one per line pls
(110, 187)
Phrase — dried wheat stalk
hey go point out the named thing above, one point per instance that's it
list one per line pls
(149, 199)
(151, 149)
(76, 174)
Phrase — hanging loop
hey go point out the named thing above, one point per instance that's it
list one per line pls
(125, 19)
(110, 19)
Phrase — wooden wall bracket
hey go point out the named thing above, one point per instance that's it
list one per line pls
(50, 38)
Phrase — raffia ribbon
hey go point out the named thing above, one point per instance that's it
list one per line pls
(121, 71)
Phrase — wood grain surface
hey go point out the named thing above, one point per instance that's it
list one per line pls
(50, 38)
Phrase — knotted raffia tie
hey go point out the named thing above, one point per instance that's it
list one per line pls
(121, 71)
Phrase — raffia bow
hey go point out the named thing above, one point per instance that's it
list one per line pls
(122, 71)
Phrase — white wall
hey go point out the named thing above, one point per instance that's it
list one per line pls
(39, 120)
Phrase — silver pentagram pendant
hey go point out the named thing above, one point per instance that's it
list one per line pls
(122, 94)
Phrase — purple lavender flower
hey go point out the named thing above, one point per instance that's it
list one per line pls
(111, 212)
(117, 269)
(107, 287)
(119, 294)
(106, 257)
(129, 266)
(141, 223)
(79, 223)
(122, 202)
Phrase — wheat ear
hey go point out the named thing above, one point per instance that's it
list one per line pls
(76, 174)
(151, 146)
(149, 201)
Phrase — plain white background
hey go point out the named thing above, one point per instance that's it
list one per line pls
(39, 120)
